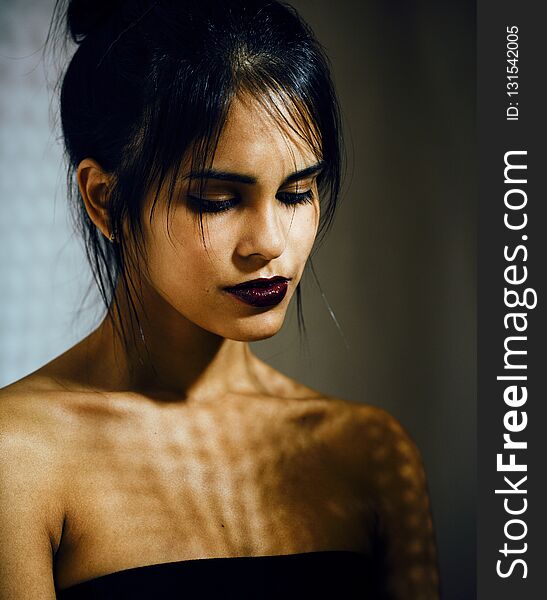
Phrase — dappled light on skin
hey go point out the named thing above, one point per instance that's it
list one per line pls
(404, 507)
(237, 478)
(145, 481)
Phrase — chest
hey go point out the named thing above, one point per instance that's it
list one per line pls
(201, 488)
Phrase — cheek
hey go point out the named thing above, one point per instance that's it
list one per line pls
(302, 237)
(304, 230)
(182, 257)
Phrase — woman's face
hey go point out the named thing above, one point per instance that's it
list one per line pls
(260, 211)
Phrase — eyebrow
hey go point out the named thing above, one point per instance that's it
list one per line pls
(249, 179)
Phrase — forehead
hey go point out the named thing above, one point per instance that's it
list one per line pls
(262, 138)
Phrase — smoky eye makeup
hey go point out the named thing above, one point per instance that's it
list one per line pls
(206, 199)
(205, 205)
(201, 204)
(295, 198)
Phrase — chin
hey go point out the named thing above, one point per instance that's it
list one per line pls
(255, 328)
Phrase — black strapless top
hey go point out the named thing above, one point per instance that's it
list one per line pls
(336, 574)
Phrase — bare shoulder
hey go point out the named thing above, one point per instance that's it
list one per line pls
(362, 434)
(32, 436)
(382, 435)
(392, 475)
(31, 482)
(372, 435)
(40, 429)
(32, 413)
(392, 465)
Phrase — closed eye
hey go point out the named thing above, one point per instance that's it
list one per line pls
(217, 206)
(294, 198)
(211, 206)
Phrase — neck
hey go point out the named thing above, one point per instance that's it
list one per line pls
(167, 356)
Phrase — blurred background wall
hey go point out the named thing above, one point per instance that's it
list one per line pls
(398, 268)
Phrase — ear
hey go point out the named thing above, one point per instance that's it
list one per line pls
(94, 182)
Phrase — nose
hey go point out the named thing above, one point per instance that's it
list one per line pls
(264, 231)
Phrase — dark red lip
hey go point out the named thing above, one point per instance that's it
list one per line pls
(261, 292)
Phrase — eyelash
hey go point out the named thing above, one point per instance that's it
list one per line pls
(217, 206)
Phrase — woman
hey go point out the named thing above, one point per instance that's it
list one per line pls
(204, 145)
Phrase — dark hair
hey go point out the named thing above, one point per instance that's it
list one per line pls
(144, 69)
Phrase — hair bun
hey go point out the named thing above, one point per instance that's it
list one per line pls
(84, 16)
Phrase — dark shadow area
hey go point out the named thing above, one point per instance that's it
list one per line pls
(398, 268)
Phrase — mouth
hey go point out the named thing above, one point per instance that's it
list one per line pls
(261, 292)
